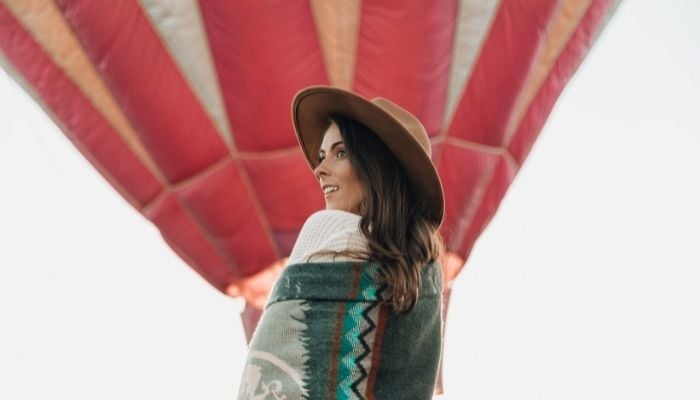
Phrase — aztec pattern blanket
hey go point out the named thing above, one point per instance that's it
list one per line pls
(326, 334)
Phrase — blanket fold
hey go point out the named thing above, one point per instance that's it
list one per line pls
(314, 281)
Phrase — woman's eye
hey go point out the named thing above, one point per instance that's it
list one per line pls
(341, 153)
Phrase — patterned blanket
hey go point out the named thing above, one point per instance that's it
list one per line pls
(326, 334)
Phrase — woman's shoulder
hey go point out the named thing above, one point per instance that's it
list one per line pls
(328, 230)
(333, 216)
(326, 223)
(330, 222)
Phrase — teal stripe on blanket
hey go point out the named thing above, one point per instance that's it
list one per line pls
(350, 347)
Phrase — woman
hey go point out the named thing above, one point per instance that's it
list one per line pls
(357, 311)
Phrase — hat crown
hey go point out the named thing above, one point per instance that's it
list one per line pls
(407, 120)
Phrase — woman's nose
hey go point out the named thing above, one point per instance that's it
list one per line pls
(320, 170)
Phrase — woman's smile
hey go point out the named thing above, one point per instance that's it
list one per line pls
(330, 189)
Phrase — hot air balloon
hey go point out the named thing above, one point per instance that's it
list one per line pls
(184, 106)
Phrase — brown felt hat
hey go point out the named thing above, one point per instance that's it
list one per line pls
(403, 134)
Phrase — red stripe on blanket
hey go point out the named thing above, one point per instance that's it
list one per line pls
(376, 349)
(338, 332)
(356, 270)
(333, 370)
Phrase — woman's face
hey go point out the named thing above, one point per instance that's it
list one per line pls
(339, 182)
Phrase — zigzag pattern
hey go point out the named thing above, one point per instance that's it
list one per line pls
(366, 349)
(355, 342)
(349, 345)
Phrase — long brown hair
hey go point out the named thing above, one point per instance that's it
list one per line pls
(401, 238)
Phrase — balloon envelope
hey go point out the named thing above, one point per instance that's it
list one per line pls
(184, 106)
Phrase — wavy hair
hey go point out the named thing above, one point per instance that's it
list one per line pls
(401, 237)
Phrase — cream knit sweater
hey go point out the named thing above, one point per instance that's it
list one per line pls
(325, 230)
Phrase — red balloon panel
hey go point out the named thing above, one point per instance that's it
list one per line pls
(465, 174)
(85, 126)
(501, 71)
(403, 54)
(264, 52)
(148, 86)
(563, 69)
(286, 190)
(184, 235)
(502, 176)
(221, 204)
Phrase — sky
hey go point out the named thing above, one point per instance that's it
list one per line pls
(583, 286)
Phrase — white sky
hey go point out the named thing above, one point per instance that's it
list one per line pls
(584, 286)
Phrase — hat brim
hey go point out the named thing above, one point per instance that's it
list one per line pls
(311, 109)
